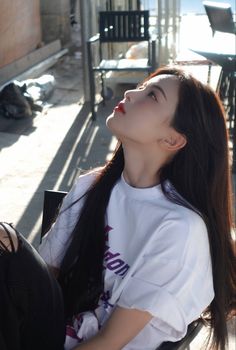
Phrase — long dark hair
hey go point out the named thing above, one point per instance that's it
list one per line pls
(200, 172)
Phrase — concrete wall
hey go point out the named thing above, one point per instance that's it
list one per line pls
(20, 29)
(55, 18)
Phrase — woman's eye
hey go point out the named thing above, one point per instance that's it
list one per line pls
(152, 95)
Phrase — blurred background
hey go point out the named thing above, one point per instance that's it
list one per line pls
(52, 118)
(47, 135)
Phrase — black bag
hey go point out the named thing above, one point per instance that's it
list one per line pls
(13, 103)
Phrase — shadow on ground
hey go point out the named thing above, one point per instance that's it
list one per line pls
(90, 151)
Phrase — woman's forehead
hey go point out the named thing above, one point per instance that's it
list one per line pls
(169, 83)
(162, 78)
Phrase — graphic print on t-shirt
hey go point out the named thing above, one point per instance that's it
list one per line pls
(112, 260)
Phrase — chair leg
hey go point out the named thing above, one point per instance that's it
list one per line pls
(209, 73)
(91, 76)
(92, 95)
(153, 55)
(103, 89)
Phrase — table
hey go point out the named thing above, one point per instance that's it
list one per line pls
(222, 51)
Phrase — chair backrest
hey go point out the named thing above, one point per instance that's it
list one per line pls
(183, 344)
(51, 203)
(220, 17)
(123, 26)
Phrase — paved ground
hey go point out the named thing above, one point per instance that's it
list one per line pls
(50, 150)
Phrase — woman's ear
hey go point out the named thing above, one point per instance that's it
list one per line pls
(174, 141)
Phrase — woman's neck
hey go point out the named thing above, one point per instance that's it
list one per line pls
(141, 169)
(140, 180)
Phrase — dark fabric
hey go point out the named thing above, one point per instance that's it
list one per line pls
(31, 306)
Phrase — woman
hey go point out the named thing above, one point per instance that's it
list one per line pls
(31, 307)
(143, 246)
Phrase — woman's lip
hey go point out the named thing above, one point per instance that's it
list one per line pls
(120, 107)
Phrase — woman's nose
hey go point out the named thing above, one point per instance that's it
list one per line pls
(127, 95)
(130, 94)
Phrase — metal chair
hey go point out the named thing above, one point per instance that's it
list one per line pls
(184, 344)
(51, 204)
(220, 17)
(119, 27)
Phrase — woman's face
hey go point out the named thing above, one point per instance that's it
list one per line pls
(145, 114)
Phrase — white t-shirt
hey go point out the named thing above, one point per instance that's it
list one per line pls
(157, 259)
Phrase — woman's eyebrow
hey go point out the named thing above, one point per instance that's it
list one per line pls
(161, 90)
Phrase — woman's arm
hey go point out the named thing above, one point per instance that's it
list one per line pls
(122, 326)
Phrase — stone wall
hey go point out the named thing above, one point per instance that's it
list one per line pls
(55, 18)
(20, 29)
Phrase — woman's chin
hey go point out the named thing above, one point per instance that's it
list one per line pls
(108, 120)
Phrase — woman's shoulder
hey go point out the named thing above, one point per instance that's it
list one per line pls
(86, 179)
(184, 213)
(189, 219)
(183, 222)
(90, 175)
(192, 234)
(183, 237)
(8, 238)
